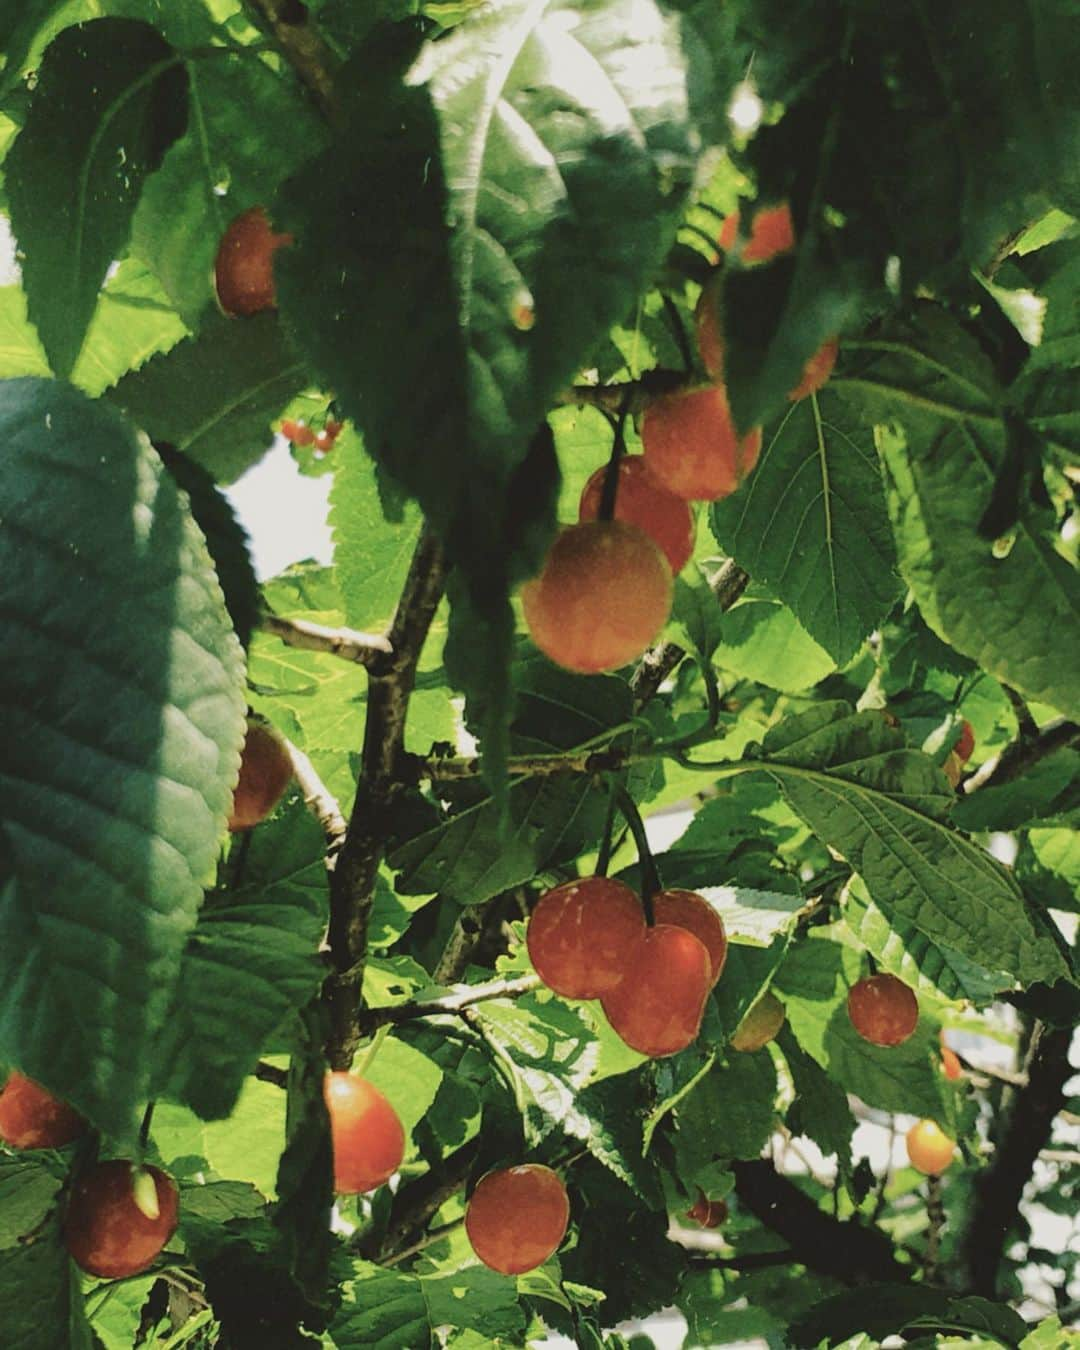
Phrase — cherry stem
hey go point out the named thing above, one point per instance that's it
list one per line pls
(144, 1128)
(607, 839)
(678, 331)
(610, 490)
(650, 877)
(368, 1057)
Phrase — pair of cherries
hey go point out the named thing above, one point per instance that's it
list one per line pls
(588, 939)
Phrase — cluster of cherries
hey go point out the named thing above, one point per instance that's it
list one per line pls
(605, 589)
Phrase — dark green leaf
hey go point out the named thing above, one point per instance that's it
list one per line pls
(28, 1191)
(121, 713)
(883, 1310)
(110, 98)
(41, 1295)
(732, 1112)
(820, 1110)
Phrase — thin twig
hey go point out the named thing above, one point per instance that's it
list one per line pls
(935, 1214)
(352, 885)
(319, 800)
(304, 49)
(270, 1073)
(364, 649)
(632, 395)
(370, 1019)
(1023, 754)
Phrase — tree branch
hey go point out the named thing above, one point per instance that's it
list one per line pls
(658, 662)
(365, 649)
(371, 1019)
(843, 1248)
(352, 885)
(1028, 1116)
(447, 768)
(1023, 754)
(633, 396)
(319, 801)
(417, 1202)
(304, 49)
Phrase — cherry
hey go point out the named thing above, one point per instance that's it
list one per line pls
(244, 266)
(366, 1133)
(640, 500)
(516, 1218)
(883, 1010)
(929, 1148)
(760, 1025)
(817, 370)
(324, 441)
(111, 1229)
(708, 327)
(265, 771)
(772, 232)
(965, 745)
(708, 1213)
(687, 909)
(30, 1117)
(603, 594)
(950, 1064)
(299, 433)
(691, 445)
(580, 934)
(657, 1007)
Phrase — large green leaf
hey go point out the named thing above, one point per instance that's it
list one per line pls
(883, 807)
(41, 1295)
(883, 1310)
(251, 961)
(1015, 611)
(121, 716)
(810, 521)
(215, 395)
(28, 1190)
(110, 99)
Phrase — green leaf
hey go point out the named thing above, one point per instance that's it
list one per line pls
(1048, 864)
(902, 950)
(820, 1109)
(1014, 611)
(470, 858)
(110, 98)
(813, 983)
(41, 1295)
(1050, 786)
(122, 714)
(28, 1191)
(732, 1112)
(251, 961)
(883, 1310)
(764, 641)
(810, 521)
(214, 396)
(245, 1147)
(883, 807)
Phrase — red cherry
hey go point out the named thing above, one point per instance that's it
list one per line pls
(691, 445)
(708, 1213)
(299, 433)
(333, 428)
(603, 595)
(265, 772)
(244, 267)
(950, 1064)
(708, 327)
(965, 745)
(366, 1133)
(30, 1117)
(106, 1228)
(580, 935)
(516, 1218)
(817, 370)
(883, 1010)
(640, 500)
(658, 1005)
(772, 232)
(687, 909)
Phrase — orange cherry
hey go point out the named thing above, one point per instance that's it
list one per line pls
(965, 745)
(691, 445)
(516, 1218)
(817, 370)
(657, 1007)
(367, 1135)
(30, 1117)
(929, 1148)
(772, 232)
(602, 596)
(708, 327)
(265, 772)
(108, 1229)
(883, 1010)
(687, 909)
(580, 935)
(299, 433)
(244, 266)
(950, 1064)
(708, 1213)
(760, 1025)
(640, 500)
